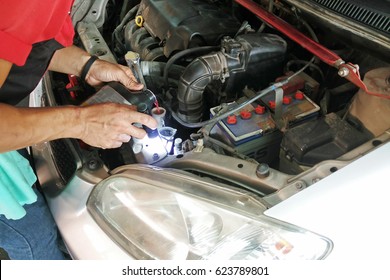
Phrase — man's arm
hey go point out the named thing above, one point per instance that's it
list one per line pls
(5, 67)
(102, 125)
(21, 127)
(71, 60)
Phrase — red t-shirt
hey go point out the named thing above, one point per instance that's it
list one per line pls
(25, 22)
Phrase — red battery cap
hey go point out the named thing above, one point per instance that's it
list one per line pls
(299, 95)
(287, 100)
(245, 114)
(272, 104)
(260, 110)
(231, 119)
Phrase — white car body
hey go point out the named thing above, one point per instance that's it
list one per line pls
(349, 207)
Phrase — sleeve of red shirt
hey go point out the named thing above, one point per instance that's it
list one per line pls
(66, 34)
(16, 54)
(40, 20)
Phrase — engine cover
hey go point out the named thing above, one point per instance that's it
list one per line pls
(183, 24)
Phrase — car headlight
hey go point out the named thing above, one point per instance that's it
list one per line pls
(156, 213)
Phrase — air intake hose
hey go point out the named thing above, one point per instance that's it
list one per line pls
(248, 60)
(198, 74)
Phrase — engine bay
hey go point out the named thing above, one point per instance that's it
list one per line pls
(238, 101)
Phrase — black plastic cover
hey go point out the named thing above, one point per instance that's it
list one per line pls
(322, 139)
(186, 23)
(258, 60)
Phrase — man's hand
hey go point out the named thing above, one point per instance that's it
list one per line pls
(104, 125)
(109, 125)
(103, 71)
(71, 60)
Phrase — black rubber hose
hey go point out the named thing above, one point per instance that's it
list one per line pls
(177, 56)
(258, 95)
(115, 34)
(153, 72)
(198, 74)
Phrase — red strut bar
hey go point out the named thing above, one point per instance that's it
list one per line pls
(346, 70)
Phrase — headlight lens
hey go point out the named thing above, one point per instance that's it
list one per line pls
(162, 214)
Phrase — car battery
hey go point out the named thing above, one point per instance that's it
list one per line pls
(296, 107)
(250, 131)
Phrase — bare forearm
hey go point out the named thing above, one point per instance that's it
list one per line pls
(5, 67)
(101, 125)
(69, 60)
(22, 127)
(105, 125)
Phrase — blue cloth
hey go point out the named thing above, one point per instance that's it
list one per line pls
(33, 237)
(16, 179)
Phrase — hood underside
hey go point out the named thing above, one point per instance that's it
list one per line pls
(363, 23)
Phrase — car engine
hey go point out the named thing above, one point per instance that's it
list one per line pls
(267, 96)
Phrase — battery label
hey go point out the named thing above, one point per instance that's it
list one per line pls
(296, 106)
(250, 123)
